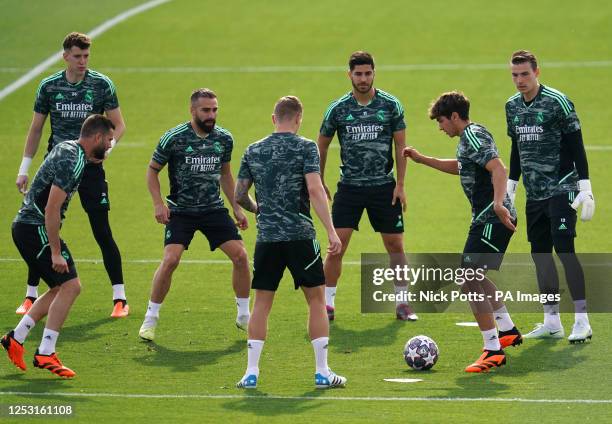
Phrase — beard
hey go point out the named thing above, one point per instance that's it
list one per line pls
(99, 152)
(362, 88)
(207, 125)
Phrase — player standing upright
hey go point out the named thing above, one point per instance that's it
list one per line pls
(547, 148)
(370, 125)
(198, 154)
(70, 96)
(36, 234)
(285, 170)
(483, 179)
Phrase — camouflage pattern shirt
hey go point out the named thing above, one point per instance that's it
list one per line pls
(366, 137)
(277, 165)
(69, 104)
(537, 129)
(63, 167)
(475, 149)
(194, 167)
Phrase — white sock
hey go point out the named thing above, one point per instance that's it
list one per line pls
(330, 296)
(243, 305)
(320, 350)
(491, 341)
(23, 328)
(152, 314)
(119, 292)
(32, 291)
(47, 344)
(401, 295)
(580, 312)
(254, 352)
(552, 320)
(503, 320)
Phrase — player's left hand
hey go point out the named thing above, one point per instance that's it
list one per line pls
(586, 199)
(398, 194)
(504, 216)
(241, 219)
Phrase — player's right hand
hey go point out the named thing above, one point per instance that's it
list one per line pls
(162, 213)
(412, 153)
(22, 183)
(504, 216)
(334, 246)
(59, 264)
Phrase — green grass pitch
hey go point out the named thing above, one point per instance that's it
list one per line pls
(155, 59)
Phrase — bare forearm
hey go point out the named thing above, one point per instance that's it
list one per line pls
(229, 186)
(32, 142)
(499, 180)
(450, 166)
(318, 199)
(154, 186)
(400, 162)
(241, 195)
(52, 225)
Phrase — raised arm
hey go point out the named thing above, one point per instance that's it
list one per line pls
(450, 166)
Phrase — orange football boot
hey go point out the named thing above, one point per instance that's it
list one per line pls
(14, 349)
(510, 338)
(121, 309)
(489, 359)
(53, 364)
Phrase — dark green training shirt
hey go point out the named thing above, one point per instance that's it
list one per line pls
(366, 137)
(277, 165)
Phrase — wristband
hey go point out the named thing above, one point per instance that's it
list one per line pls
(25, 165)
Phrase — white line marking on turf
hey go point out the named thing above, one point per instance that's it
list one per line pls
(403, 380)
(314, 398)
(597, 148)
(105, 26)
(467, 324)
(332, 68)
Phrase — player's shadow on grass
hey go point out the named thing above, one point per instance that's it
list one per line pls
(350, 340)
(533, 357)
(264, 405)
(85, 332)
(184, 361)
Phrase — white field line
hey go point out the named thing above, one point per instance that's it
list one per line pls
(310, 398)
(330, 68)
(105, 26)
(228, 262)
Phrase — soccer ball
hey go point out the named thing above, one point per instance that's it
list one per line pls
(421, 353)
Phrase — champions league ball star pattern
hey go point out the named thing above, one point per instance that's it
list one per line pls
(421, 353)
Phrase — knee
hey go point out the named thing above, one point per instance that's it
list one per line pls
(240, 258)
(394, 246)
(170, 262)
(72, 287)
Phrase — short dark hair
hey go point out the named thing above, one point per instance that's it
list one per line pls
(95, 124)
(524, 56)
(360, 58)
(447, 103)
(77, 39)
(202, 93)
(287, 107)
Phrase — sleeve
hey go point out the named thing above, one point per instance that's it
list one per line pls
(576, 146)
(229, 147)
(569, 118)
(163, 151)
(68, 172)
(329, 125)
(245, 171)
(110, 95)
(482, 148)
(515, 162)
(397, 118)
(311, 158)
(41, 103)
